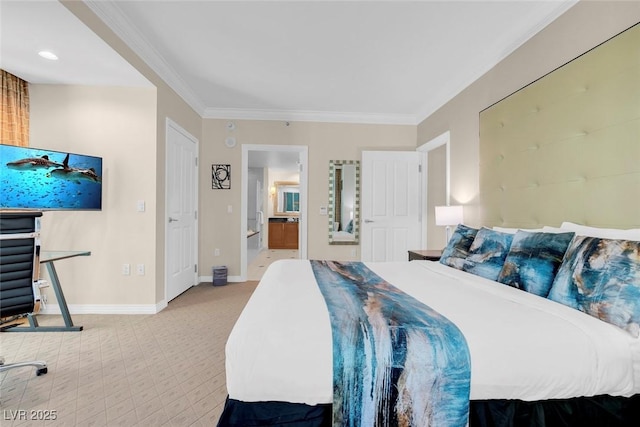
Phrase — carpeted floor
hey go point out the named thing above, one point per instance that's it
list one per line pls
(165, 369)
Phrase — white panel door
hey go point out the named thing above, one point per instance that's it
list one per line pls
(182, 190)
(391, 204)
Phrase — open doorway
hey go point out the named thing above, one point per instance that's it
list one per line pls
(437, 183)
(257, 157)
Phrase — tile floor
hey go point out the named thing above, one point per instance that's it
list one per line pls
(256, 269)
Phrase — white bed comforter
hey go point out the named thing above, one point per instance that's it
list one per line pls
(522, 346)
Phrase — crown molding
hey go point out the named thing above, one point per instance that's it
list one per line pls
(111, 14)
(517, 40)
(309, 116)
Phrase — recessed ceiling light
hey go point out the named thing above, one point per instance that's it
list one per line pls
(48, 55)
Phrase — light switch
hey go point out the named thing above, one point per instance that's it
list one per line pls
(140, 205)
(229, 209)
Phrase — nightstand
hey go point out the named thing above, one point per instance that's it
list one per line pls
(428, 255)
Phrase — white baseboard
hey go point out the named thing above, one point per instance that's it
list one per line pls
(161, 305)
(121, 308)
(107, 308)
(210, 279)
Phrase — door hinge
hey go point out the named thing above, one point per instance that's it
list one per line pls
(195, 268)
(195, 214)
(196, 160)
(419, 168)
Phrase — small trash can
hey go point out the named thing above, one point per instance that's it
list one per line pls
(219, 275)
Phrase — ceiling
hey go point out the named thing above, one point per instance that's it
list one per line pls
(27, 27)
(339, 61)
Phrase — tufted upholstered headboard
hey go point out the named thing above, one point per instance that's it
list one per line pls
(567, 146)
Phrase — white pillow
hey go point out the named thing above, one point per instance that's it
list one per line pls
(603, 233)
(515, 230)
(549, 229)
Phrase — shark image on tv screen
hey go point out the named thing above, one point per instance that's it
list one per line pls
(40, 179)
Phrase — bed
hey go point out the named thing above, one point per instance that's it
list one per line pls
(540, 353)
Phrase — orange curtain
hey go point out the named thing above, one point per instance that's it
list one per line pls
(14, 120)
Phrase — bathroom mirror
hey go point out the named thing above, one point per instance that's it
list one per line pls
(344, 202)
(286, 198)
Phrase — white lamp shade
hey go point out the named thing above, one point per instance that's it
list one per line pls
(448, 215)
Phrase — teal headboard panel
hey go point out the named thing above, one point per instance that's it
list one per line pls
(567, 146)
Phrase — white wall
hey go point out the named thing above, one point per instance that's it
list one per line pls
(581, 28)
(123, 135)
(326, 141)
(168, 105)
(119, 125)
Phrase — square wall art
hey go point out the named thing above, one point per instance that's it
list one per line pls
(221, 177)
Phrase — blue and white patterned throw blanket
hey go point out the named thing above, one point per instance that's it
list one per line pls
(396, 361)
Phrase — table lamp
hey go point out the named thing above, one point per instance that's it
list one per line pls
(448, 216)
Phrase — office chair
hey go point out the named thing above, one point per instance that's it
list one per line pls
(18, 268)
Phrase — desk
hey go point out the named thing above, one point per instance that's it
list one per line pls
(47, 258)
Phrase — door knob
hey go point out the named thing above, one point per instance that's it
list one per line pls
(368, 220)
(172, 219)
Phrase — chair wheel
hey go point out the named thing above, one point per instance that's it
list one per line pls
(41, 371)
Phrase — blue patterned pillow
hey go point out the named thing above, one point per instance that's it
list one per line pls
(487, 253)
(350, 227)
(601, 277)
(533, 260)
(457, 249)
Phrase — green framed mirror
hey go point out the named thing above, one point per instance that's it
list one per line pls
(344, 202)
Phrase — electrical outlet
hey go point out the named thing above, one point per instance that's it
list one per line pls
(354, 252)
(126, 269)
(140, 269)
(216, 252)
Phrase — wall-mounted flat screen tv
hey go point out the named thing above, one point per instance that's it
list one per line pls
(41, 179)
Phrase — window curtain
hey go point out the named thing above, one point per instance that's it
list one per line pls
(292, 202)
(14, 120)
